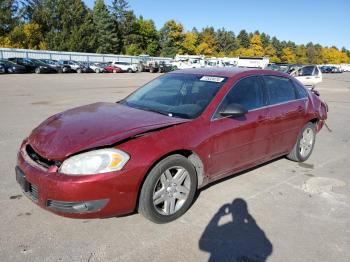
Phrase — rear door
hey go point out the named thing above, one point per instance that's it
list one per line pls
(286, 112)
(238, 142)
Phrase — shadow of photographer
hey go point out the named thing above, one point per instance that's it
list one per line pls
(233, 235)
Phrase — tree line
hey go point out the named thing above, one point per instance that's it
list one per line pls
(69, 25)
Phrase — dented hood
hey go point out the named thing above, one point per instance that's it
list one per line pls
(90, 126)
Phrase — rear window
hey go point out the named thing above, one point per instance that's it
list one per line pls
(280, 89)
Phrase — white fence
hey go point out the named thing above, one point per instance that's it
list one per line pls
(81, 57)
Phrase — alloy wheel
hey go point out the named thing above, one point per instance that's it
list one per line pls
(306, 142)
(171, 190)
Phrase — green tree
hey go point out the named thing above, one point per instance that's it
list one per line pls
(124, 22)
(8, 10)
(225, 42)
(243, 38)
(106, 34)
(265, 40)
(278, 46)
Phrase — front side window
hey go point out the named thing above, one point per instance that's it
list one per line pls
(247, 92)
(176, 95)
(280, 89)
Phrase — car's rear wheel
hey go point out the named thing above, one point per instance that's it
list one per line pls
(37, 70)
(304, 145)
(129, 70)
(168, 190)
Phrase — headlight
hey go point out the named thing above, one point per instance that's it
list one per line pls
(95, 162)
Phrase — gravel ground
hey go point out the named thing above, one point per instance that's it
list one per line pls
(281, 211)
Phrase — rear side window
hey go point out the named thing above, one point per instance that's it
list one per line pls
(300, 90)
(247, 92)
(280, 89)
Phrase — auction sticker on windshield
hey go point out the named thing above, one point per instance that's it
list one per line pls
(212, 79)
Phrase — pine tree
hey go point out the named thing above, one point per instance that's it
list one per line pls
(243, 38)
(226, 41)
(8, 10)
(106, 34)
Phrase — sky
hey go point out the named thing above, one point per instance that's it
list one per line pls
(326, 22)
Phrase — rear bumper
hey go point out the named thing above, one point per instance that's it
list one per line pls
(95, 196)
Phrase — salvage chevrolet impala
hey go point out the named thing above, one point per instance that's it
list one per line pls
(154, 149)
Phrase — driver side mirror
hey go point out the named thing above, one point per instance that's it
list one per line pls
(233, 110)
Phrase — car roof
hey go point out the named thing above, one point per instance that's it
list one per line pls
(227, 72)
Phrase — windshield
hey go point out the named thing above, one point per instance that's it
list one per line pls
(177, 95)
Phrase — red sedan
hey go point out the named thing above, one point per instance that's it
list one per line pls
(112, 69)
(153, 150)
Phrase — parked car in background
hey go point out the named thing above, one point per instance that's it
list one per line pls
(98, 67)
(154, 149)
(33, 65)
(2, 69)
(335, 69)
(11, 67)
(325, 69)
(309, 75)
(76, 66)
(110, 68)
(283, 67)
(55, 64)
(125, 66)
(165, 67)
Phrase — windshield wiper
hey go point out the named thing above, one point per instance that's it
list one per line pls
(156, 111)
(145, 108)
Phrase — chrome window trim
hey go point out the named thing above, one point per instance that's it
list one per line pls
(213, 118)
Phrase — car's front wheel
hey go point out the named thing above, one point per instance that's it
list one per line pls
(168, 189)
(304, 145)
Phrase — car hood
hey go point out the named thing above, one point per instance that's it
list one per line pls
(92, 126)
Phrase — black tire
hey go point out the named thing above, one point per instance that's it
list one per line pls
(295, 154)
(37, 70)
(146, 206)
(130, 70)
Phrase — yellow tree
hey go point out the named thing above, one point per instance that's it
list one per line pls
(270, 51)
(189, 45)
(256, 45)
(27, 36)
(288, 55)
(207, 44)
(301, 54)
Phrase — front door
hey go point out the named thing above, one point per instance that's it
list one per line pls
(238, 142)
